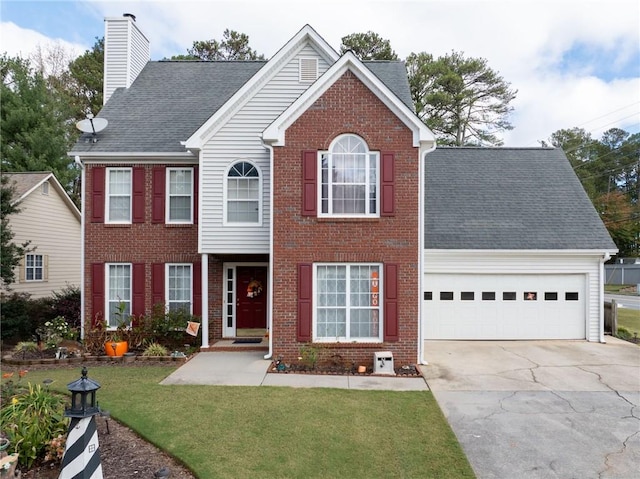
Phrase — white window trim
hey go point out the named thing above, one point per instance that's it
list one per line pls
(166, 284)
(108, 196)
(168, 197)
(380, 337)
(319, 177)
(107, 294)
(225, 188)
(34, 268)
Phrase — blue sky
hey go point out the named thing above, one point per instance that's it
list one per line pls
(574, 63)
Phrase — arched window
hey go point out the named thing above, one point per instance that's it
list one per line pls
(349, 173)
(243, 193)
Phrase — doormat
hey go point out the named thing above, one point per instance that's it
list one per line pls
(247, 341)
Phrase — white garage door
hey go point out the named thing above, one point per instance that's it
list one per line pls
(481, 306)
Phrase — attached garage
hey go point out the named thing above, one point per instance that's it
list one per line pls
(510, 306)
(513, 248)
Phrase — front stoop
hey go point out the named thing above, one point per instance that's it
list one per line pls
(228, 345)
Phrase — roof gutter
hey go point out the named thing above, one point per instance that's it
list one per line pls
(269, 355)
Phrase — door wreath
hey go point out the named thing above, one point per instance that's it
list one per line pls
(254, 289)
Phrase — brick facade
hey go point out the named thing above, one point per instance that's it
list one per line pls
(144, 242)
(348, 106)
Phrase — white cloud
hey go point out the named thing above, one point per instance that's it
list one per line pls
(22, 42)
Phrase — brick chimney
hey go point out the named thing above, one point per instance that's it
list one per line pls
(126, 52)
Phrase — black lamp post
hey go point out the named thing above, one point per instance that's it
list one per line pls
(81, 458)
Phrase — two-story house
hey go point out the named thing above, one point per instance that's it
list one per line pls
(287, 195)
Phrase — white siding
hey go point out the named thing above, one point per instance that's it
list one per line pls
(491, 262)
(240, 138)
(126, 53)
(54, 230)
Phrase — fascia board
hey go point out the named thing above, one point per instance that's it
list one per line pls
(134, 157)
(268, 71)
(275, 133)
(518, 252)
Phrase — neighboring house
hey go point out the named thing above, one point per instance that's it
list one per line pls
(51, 222)
(283, 195)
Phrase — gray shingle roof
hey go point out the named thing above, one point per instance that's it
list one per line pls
(25, 181)
(170, 100)
(508, 198)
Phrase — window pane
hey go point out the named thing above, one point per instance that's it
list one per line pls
(243, 194)
(179, 288)
(119, 208)
(488, 295)
(509, 296)
(180, 208)
(119, 294)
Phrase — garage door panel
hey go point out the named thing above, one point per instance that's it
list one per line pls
(501, 318)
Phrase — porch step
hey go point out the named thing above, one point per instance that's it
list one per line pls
(229, 345)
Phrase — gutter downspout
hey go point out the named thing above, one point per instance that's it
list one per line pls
(605, 257)
(421, 208)
(82, 226)
(269, 355)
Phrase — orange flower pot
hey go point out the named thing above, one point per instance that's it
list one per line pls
(112, 348)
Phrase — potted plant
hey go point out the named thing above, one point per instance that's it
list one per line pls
(116, 344)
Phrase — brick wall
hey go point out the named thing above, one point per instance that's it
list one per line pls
(347, 107)
(146, 242)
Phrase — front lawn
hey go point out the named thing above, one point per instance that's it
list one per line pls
(266, 432)
(629, 319)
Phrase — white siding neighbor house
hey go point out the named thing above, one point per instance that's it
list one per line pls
(51, 222)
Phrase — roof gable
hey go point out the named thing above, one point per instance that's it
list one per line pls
(26, 183)
(508, 199)
(306, 35)
(275, 133)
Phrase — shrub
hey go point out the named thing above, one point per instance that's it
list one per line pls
(66, 303)
(31, 420)
(624, 333)
(155, 349)
(54, 331)
(15, 319)
(25, 347)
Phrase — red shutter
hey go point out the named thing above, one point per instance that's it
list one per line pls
(137, 306)
(97, 293)
(391, 302)
(138, 195)
(197, 289)
(195, 196)
(97, 194)
(388, 185)
(309, 183)
(305, 292)
(157, 201)
(157, 284)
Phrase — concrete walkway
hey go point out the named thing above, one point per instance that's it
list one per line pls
(238, 368)
(541, 409)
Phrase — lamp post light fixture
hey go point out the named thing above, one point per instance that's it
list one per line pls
(81, 458)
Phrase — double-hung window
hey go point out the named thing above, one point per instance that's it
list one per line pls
(118, 293)
(348, 302)
(179, 287)
(180, 195)
(119, 186)
(34, 267)
(243, 192)
(349, 178)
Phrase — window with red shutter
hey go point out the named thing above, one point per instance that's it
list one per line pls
(391, 327)
(137, 308)
(305, 301)
(387, 185)
(97, 194)
(138, 195)
(97, 293)
(157, 193)
(309, 183)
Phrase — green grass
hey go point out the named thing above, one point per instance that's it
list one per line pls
(266, 432)
(630, 289)
(629, 319)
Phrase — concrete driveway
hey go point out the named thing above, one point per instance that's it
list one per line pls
(541, 409)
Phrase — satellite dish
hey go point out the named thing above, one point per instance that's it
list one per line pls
(92, 125)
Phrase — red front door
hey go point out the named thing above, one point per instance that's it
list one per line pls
(251, 297)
